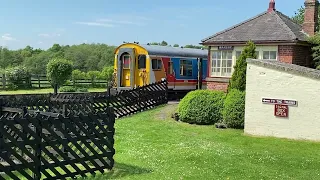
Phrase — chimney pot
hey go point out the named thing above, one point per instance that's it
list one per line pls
(272, 5)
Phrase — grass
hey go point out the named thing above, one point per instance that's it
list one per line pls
(43, 91)
(150, 148)
(151, 145)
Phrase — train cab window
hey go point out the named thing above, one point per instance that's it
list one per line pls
(156, 64)
(185, 67)
(142, 61)
(126, 61)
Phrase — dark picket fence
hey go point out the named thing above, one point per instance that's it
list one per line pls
(56, 136)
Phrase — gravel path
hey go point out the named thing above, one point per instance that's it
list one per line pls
(167, 111)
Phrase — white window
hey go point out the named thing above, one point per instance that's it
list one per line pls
(221, 63)
(270, 55)
(239, 52)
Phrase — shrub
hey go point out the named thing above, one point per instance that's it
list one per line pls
(58, 72)
(19, 77)
(67, 89)
(201, 107)
(238, 79)
(93, 75)
(234, 108)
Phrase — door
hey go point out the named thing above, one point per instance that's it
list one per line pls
(126, 62)
(170, 74)
(141, 76)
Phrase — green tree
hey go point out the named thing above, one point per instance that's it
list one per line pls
(164, 43)
(238, 79)
(58, 72)
(299, 16)
(176, 45)
(315, 41)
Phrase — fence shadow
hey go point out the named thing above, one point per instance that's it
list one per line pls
(121, 170)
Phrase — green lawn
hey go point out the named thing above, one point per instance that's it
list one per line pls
(149, 146)
(40, 91)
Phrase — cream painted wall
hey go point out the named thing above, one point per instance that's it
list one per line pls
(303, 121)
(259, 48)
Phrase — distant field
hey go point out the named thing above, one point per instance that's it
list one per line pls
(42, 91)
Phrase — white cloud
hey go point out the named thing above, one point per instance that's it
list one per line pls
(95, 24)
(8, 37)
(115, 20)
(46, 35)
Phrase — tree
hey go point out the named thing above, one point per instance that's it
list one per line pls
(164, 43)
(58, 72)
(315, 42)
(299, 16)
(238, 79)
(176, 45)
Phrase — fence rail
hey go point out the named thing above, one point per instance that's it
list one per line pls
(41, 81)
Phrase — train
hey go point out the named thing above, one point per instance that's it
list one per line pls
(141, 64)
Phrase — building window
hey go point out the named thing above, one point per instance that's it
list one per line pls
(185, 68)
(156, 64)
(142, 62)
(126, 61)
(270, 55)
(238, 53)
(221, 63)
(170, 67)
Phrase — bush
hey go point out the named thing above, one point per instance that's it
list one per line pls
(234, 108)
(67, 89)
(201, 107)
(19, 77)
(59, 71)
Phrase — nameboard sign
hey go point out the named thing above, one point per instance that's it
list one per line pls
(281, 110)
(225, 48)
(279, 101)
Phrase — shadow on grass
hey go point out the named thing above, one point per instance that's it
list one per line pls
(121, 170)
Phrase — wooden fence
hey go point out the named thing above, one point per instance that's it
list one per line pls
(41, 81)
(55, 136)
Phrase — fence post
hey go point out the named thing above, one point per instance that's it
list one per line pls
(38, 149)
(39, 85)
(4, 81)
(64, 114)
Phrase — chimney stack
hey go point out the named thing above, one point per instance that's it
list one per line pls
(310, 23)
(272, 6)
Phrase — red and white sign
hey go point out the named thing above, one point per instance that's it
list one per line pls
(281, 110)
(279, 101)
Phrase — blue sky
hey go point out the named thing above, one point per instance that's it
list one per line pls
(40, 23)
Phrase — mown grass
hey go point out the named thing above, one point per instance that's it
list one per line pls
(43, 91)
(150, 148)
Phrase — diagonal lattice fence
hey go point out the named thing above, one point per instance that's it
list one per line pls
(48, 145)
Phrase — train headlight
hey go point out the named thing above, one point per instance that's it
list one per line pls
(163, 79)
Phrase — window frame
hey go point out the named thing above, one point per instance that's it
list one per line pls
(269, 55)
(157, 60)
(123, 64)
(145, 61)
(187, 65)
(221, 67)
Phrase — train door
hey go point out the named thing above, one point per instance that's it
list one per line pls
(170, 73)
(126, 61)
(141, 74)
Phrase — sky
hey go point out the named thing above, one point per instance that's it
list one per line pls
(40, 23)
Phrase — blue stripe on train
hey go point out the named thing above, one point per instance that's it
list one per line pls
(176, 68)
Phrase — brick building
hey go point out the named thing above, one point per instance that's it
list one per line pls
(276, 37)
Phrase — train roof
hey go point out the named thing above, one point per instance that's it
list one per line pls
(174, 51)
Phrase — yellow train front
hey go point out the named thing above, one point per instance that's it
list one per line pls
(139, 65)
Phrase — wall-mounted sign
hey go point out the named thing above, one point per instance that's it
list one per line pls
(225, 47)
(281, 110)
(279, 101)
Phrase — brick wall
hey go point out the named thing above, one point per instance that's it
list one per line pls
(302, 56)
(285, 53)
(221, 86)
(295, 54)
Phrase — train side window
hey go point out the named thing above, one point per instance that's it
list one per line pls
(156, 64)
(126, 61)
(142, 62)
(185, 67)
